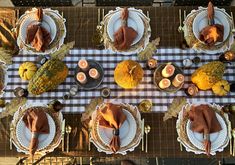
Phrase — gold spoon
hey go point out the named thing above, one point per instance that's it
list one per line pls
(233, 134)
(147, 129)
(68, 130)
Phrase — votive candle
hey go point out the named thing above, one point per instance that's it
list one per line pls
(81, 77)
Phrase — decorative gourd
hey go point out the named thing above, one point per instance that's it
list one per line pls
(50, 74)
(221, 88)
(27, 70)
(128, 74)
(207, 75)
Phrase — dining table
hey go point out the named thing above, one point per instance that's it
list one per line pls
(81, 25)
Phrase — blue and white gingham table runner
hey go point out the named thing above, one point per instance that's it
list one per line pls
(109, 60)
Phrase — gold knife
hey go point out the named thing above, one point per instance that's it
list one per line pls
(11, 129)
(142, 133)
(230, 138)
(63, 133)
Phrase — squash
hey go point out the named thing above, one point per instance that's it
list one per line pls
(27, 70)
(50, 74)
(48, 77)
(128, 74)
(207, 75)
(221, 88)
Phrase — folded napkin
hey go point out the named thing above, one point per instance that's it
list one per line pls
(213, 32)
(38, 36)
(204, 121)
(37, 123)
(112, 116)
(125, 35)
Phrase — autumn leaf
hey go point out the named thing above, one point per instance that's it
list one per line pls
(150, 49)
(175, 107)
(63, 51)
(89, 109)
(13, 106)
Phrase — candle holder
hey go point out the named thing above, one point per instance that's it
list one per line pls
(152, 63)
(20, 92)
(187, 62)
(196, 60)
(73, 90)
(145, 106)
(105, 92)
(227, 57)
(192, 90)
(42, 59)
(66, 96)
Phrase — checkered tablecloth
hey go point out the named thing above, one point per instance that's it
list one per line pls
(109, 60)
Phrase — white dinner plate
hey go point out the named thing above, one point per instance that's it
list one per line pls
(48, 23)
(23, 134)
(134, 21)
(217, 139)
(201, 21)
(127, 131)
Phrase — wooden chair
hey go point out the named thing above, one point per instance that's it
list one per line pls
(124, 2)
(42, 2)
(202, 2)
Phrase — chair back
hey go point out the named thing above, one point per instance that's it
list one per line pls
(42, 2)
(124, 2)
(202, 2)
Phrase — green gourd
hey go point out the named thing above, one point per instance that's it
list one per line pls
(50, 74)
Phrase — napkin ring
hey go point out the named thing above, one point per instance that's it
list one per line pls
(116, 132)
(124, 22)
(207, 136)
(35, 135)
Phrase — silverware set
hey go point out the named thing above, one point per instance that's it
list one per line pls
(144, 131)
(181, 28)
(97, 38)
(65, 129)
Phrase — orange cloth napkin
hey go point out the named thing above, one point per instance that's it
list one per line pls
(125, 35)
(37, 123)
(38, 36)
(204, 121)
(112, 116)
(214, 32)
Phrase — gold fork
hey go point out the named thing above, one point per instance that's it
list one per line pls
(233, 28)
(180, 28)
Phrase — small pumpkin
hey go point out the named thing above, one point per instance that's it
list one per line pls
(27, 70)
(128, 74)
(221, 88)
